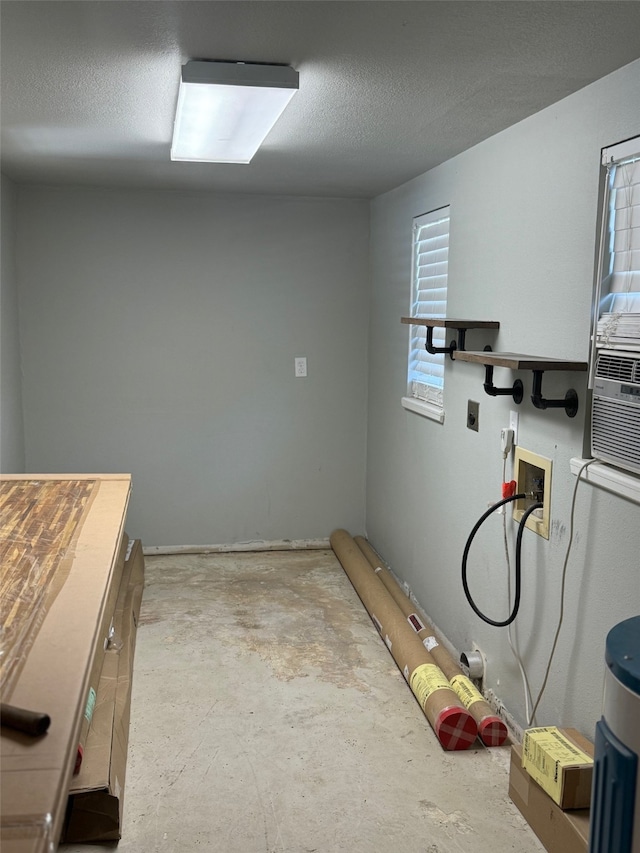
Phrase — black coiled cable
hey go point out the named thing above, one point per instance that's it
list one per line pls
(521, 526)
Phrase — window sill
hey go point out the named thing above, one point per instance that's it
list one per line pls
(426, 410)
(610, 478)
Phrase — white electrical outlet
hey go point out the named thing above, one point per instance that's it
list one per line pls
(513, 424)
(300, 363)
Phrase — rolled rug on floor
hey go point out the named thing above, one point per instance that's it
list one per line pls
(452, 723)
(492, 730)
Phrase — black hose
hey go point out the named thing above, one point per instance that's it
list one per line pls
(521, 526)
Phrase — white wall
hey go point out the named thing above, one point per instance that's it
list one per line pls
(11, 425)
(159, 334)
(523, 228)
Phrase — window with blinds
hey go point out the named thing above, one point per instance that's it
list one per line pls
(428, 299)
(617, 311)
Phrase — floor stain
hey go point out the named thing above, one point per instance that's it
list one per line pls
(454, 820)
(296, 610)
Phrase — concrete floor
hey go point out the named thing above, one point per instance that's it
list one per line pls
(267, 715)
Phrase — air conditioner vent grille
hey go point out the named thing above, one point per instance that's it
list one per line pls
(616, 432)
(620, 368)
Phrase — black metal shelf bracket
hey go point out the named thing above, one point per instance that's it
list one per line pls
(569, 403)
(453, 346)
(516, 390)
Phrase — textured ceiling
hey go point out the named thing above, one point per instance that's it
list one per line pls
(387, 89)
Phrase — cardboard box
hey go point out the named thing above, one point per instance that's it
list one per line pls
(559, 831)
(561, 762)
(96, 797)
(103, 643)
(54, 677)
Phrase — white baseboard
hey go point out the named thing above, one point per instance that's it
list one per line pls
(255, 545)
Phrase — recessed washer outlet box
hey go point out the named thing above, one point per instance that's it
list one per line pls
(532, 474)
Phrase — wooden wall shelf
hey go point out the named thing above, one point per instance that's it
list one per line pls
(517, 361)
(538, 365)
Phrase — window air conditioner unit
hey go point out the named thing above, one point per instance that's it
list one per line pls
(615, 413)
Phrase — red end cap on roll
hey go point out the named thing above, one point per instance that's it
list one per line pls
(492, 731)
(455, 728)
(79, 757)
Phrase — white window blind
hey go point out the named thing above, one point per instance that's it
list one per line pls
(618, 309)
(428, 299)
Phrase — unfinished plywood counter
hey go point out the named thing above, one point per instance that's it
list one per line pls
(65, 535)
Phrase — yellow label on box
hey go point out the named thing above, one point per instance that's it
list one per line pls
(546, 752)
(466, 690)
(425, 680)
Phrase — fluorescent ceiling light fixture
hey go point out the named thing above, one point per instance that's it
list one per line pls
(226, 109)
